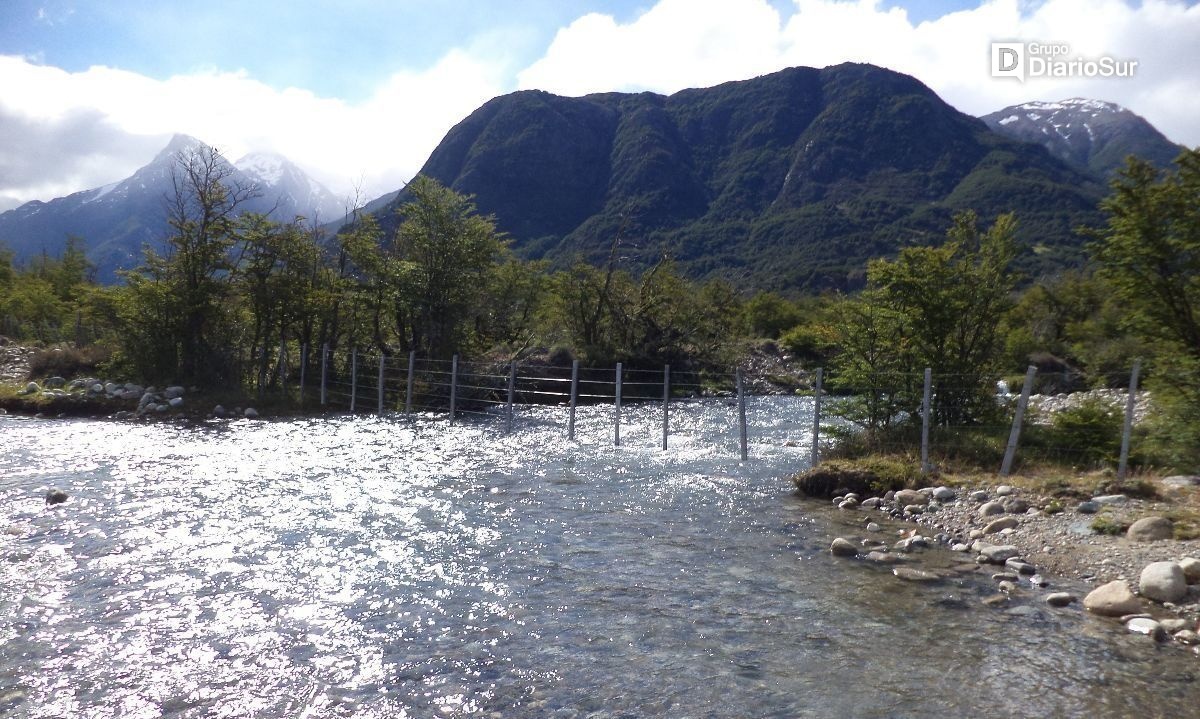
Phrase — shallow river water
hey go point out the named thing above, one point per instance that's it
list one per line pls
(406, 568)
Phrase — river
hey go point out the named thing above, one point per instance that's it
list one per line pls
(399, 567)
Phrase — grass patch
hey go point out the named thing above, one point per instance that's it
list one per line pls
(1107, 524)
(68, 362)
(867, 476)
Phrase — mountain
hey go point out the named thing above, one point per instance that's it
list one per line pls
(1090, 134)
(288, 189)
(117, 220)
(787, 181)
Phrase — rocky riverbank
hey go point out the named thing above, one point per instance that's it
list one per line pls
(1032, 546)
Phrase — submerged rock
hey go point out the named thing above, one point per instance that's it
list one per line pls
(56, 496)
(843, 548)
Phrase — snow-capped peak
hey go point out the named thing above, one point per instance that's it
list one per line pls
(1074, 103)
(265, 168)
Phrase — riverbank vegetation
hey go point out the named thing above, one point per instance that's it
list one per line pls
(231, 289)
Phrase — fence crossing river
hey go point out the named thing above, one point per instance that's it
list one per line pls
(407, 384)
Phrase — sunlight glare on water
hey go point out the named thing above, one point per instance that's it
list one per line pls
(400, 566)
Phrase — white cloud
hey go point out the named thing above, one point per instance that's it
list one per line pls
(379, 143)
(679, 44)
(62, 131)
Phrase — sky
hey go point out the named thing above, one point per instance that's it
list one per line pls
(359, 92)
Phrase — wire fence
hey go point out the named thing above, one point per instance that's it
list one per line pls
(935, 416)
(987, 422)
(358, 382)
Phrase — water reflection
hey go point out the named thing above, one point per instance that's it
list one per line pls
(387, 567)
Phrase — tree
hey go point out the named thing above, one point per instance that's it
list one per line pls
(446, 253)
(185, 291)
(941, 308)
(1149, 250)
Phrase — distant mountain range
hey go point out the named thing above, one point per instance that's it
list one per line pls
(789, 181)
(1089, 134)
(117, 220)
(792, 180)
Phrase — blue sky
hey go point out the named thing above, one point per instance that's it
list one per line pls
(359, 91)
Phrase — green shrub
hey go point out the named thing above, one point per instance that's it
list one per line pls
(1088, 432)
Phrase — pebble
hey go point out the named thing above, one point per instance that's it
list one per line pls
(998, 524)
(873, 527)
(1187, 636)
(916, 575)
(1060, 599)
(998, 553)
(1020, 566)
(1007, 587)
(959, 547)
(1148, 627)
(843, 548)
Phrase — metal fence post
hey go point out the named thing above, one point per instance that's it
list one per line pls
(666, 401)
(353, 377)
(1011, 451)
(925, 413)
(617, 417)
(574, 398)
(282, 368)
(324, 369)
(412, 356)
(741, 399)
(816, 428)
(453, 385)
(303, 369)
(379, 385)
(1130, 406)
(512, 388)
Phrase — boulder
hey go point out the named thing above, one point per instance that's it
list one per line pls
(944, 494)
(1004, 491)
(173, 391)
(56, 496)
(1191, 569)
(843, 548)
(175, 402)
(989, 509)
(1114, 599)
(1150, 529)
(1163, 582)
(31, 388)
(1088, 507)
(909, 497)
(1015, 505)
(978, 496)
(1110, 499)
(250, 413)
(55, 382)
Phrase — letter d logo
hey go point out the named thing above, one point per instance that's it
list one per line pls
(1008, 60)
